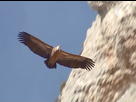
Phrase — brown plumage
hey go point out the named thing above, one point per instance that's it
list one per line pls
(54, 54)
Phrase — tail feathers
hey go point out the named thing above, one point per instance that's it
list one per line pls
(50, 67)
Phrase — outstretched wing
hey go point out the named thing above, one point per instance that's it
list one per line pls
(34, 44)
(75, 61)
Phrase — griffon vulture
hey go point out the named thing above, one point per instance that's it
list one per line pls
(54, 54)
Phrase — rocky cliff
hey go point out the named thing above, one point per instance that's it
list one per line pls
(111, 43)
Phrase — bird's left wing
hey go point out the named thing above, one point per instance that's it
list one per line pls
(75, 61)
(35, 45)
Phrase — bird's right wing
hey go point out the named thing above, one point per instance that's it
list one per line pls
(34, 44)
(75, 61)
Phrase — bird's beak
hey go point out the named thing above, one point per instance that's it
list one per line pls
(59, 46)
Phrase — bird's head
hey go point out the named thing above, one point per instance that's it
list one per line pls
(55, 49)
(58, 47)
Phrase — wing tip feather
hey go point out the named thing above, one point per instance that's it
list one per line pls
(89, 64)
(22, 36)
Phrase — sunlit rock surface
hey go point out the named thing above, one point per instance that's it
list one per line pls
(111, 43)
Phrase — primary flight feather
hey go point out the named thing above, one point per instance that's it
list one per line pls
(54, 54)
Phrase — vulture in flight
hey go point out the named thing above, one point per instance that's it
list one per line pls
(54, 55)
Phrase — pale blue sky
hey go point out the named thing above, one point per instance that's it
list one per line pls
(23, 75)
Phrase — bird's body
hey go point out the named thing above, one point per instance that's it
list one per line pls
(54, 54)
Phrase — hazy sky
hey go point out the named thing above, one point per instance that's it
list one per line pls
(23, 75)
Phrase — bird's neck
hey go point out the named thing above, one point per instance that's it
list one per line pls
(54, 50)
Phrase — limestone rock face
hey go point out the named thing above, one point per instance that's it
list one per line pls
(111, 43)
